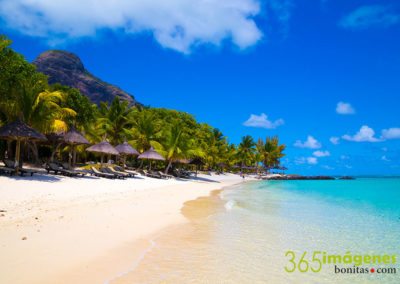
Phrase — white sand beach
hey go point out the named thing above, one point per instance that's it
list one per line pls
(57, 229)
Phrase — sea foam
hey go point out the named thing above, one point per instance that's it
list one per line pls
(230, 205)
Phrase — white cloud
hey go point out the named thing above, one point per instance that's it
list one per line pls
(334, 140)
(384, 158)
(177, 24)
(310, 143)
(320, 154)
(344, 108)
(365, 134)
(344, 157)
(370, 16)
(308, 160)
(312, 160)
(327, 167)
(391, 133)
(300, 161)
(262, 121)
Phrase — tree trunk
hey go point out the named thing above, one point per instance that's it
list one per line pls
(73, 156)
(168, 167)
(53, 154)
(10, 152)
(35, 152)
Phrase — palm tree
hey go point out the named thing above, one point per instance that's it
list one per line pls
(178, 144)
(115, 121)
(246, 150)
(43, 111)
(272, 152)
(146, 130)
(214, 145)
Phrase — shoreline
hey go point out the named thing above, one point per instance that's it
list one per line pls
(87, 230)
(196, 210)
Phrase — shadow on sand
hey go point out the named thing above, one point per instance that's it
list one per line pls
(37, 177)
(202, 179)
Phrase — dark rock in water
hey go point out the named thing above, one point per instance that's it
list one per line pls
(347, 177)
(298, 177)
(67, 69)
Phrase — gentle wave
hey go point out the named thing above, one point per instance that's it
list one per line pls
(231, 204)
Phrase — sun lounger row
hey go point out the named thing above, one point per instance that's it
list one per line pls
(7, 171)
(113, 172)
(182, 173)
(155, 174)
(11, 169)
(63, 169)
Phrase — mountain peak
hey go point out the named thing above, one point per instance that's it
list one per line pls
(67, 69)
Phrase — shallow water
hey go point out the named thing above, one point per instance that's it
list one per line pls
(242, 234)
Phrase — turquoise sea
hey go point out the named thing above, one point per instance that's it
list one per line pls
(249, 228)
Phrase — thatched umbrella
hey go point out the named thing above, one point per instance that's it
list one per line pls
(73, 138)
(151, 154)
(125, 149)
(222, 165)
(103, 148)
(19, 131)
(198, 162)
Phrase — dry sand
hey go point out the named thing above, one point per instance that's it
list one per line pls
(87, 230)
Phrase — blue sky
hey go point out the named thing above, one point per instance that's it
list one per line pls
(321, 74)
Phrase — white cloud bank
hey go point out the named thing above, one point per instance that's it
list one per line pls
(334, 140)
(312, 160)
(308, 160)
(321, 154)
(344, 108)
(176, 24)
(262, 121)
(370, 16)
(310, 143)
(391, 133)
(365, 134)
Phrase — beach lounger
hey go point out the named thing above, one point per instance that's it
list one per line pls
(22, 171)
(7, 170)
(120, 169)
(164, 175)
(152, 174)
(114, 171)
(181, 174)
(97, 173)
(53, 167)
(68, 168)
(108, 171)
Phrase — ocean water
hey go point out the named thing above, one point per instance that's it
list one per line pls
(241, 234)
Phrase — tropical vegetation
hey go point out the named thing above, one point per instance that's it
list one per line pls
(26, 95)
